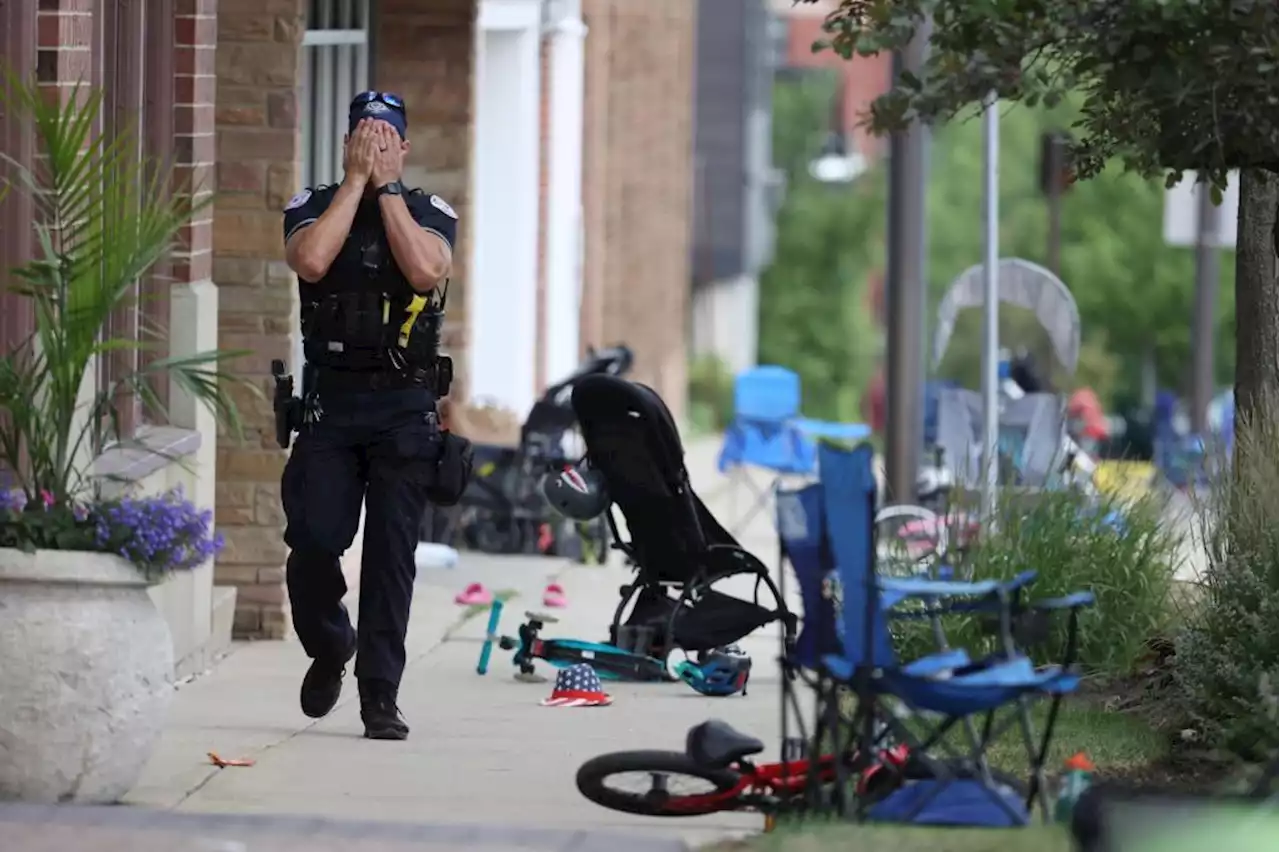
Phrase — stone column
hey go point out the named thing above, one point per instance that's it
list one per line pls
(639, 184)
(562, 215)
(258, 65)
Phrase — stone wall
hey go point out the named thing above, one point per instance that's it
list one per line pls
(638, 184)
(258, 62)
(425, 53)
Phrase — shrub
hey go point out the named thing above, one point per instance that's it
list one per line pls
(1123, 552)
(710, 393)
(1226, 662)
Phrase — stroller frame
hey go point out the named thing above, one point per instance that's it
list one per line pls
(689, 593)
(611, 412)
(503, 513)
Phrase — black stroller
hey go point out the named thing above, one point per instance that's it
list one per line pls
(502, 510)
(678, 549)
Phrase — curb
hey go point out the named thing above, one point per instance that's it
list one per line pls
(251, 832)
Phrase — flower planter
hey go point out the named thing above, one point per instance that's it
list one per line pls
(86, 676)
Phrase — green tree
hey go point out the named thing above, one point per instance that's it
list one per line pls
(813, 316)
(1167, 86)
(1135, 294)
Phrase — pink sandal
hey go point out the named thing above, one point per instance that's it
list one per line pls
(474, 595)
(554, 597)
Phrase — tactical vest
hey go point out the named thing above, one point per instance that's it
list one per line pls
(364, 317)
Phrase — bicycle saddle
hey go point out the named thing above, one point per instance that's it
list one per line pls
(716, 744)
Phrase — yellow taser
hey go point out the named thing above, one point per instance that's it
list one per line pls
(416, 306)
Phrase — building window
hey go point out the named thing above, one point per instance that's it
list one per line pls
(136, 42)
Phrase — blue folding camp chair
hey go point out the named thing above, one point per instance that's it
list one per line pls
(827, 530)
(768, 432)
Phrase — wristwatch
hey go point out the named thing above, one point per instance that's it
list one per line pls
(393, 188)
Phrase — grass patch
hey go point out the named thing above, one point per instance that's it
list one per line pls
(818, 837)
(1119, 744)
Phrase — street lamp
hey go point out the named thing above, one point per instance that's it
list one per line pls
(835, 165)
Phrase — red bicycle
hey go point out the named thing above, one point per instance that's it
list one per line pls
(713, 774)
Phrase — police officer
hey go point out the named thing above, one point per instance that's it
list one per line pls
(372, 258)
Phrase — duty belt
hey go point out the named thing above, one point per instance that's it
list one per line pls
(330, 381)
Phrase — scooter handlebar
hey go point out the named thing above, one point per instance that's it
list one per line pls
(490, 636)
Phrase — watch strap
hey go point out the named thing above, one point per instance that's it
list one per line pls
(393, 188)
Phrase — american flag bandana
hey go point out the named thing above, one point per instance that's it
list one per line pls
(578, 686)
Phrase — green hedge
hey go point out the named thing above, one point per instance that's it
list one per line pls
(1064, 538)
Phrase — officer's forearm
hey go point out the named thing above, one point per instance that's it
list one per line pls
(422, 256)
(311, 252)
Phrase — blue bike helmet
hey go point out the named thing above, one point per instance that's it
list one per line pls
(718, 673)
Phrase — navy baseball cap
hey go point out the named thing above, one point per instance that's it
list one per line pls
(380, 106)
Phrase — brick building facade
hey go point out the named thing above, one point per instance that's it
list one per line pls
(226, 90)
(638, 184)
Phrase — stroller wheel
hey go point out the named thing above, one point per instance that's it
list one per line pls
(489, 534)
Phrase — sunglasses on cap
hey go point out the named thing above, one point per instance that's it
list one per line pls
(365, 98)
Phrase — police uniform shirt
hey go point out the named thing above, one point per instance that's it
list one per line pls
(431, 212)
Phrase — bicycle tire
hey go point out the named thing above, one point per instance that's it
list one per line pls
(593, 774)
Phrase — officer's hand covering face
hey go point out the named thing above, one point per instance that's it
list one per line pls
(377, 123)
(388, 160)
(359, 151)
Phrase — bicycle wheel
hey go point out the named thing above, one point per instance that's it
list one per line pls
(910, 540)
(678, 786)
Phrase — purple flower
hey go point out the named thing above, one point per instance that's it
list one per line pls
(13, 501)
(158, 534)
(80, 512)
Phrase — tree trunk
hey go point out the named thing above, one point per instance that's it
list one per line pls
(1257, 307)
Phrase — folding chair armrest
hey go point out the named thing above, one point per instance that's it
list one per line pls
(902, 589)
(1075, 600)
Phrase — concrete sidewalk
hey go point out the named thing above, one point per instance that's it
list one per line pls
(486, 766)
(483, 751)
(75, 829)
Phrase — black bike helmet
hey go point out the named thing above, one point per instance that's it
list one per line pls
(577, 492)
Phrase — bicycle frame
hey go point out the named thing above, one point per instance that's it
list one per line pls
(767, 787)
(762, 787)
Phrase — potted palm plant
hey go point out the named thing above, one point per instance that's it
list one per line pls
(86, 660)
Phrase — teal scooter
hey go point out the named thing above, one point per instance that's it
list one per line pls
(609, 661)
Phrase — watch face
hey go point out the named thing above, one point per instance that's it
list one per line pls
(393, 188)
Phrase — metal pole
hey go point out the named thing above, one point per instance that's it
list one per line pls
(1055, 208)
(905, 284)
(1206, 303)
(990, 303)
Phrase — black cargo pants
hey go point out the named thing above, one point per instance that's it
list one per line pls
(380, 448)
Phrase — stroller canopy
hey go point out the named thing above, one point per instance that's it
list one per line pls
(1021, 283)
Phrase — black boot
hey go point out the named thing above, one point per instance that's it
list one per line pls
(322, 684)
(378, 711)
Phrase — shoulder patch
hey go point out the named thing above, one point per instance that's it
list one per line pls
(298, 200)
(443, 206)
